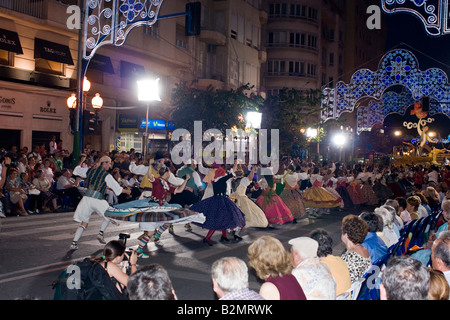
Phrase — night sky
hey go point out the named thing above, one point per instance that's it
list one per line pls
(406, 31)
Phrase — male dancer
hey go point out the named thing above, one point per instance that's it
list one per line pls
(161, 189)
(97, 180)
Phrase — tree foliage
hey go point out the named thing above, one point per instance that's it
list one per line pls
(218, 109)
(289, 112)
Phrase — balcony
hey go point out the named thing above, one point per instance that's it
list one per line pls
(213, 37)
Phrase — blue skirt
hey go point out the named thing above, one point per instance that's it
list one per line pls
(220, 212)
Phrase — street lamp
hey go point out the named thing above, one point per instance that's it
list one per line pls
(97, 103)
(340, 140)
(148, 90)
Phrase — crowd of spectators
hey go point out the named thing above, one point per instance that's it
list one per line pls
(38, 181)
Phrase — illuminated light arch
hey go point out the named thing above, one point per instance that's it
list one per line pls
(396, 67)
(110, 21)
(434, 14)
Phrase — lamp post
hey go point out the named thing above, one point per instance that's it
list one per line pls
(97, 103)
(148, 90)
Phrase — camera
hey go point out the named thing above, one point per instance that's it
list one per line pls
(123, 238)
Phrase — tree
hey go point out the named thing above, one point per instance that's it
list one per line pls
(290, 111)
(218, 109)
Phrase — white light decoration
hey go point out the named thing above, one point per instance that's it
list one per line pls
(97, 101)
(148, 90)
(254, 120)
(311, 133)
(72, 101)
(339, 139)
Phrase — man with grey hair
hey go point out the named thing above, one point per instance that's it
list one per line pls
(404, 278)
(230, 280)
(314, 277)
(440, 254)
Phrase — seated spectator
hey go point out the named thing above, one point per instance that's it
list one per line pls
(432, 197)
(230, 280)
(440, 254)
(45, 187)
(372, 242)
(17, 195)
(404, 278)
(314, 277)
(424, 210)
(47, 171)
(338, 267)
(66, 186)
(272, 264)
(388, 233)
(33, 194)
(353, 232)
(391, 203)
(439, 288)
(151, 282)
(410, 212)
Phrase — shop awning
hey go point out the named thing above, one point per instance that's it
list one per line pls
(44, 49)
(131, 70)
(9, 41)
(101, 63)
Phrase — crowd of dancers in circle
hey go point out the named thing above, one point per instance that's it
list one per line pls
(230, 198)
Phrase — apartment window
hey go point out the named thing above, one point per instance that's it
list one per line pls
(312, 41)
(181, 40)
(331, 60)
(278, 10)
(277, 39)
(312, 14)
(311, 69)
(297, 11)
(276, 67)
(152, 31)
(234, 26)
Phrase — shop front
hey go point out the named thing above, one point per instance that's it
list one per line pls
(28, 118)
(132, 132)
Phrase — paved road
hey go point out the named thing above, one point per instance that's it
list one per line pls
(35, 249)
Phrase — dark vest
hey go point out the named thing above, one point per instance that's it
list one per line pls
(95, 182)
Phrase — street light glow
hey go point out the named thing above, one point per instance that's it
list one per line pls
(397, 133)
(339, 139)
(254, 119)
(148, 90)
(311, 133)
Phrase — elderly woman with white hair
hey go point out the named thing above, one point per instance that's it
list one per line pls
(388, 233)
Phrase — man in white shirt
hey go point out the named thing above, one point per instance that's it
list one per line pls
(98, 179)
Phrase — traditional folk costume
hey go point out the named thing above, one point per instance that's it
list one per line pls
(220, 211)
(291, 194)
(154, 214)
(254, 216)
(93, 201)
(354, 191)
(317, 198)
(274, 208)
(369, 196)
(341, 189)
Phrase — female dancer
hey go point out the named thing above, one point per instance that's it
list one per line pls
(274, 208)
(254, 216)
(317, 198)
(291, 194)
(220, 211)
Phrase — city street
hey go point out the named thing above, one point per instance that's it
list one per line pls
(35, 249)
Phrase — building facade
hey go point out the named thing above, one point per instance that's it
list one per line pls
(40, 73)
